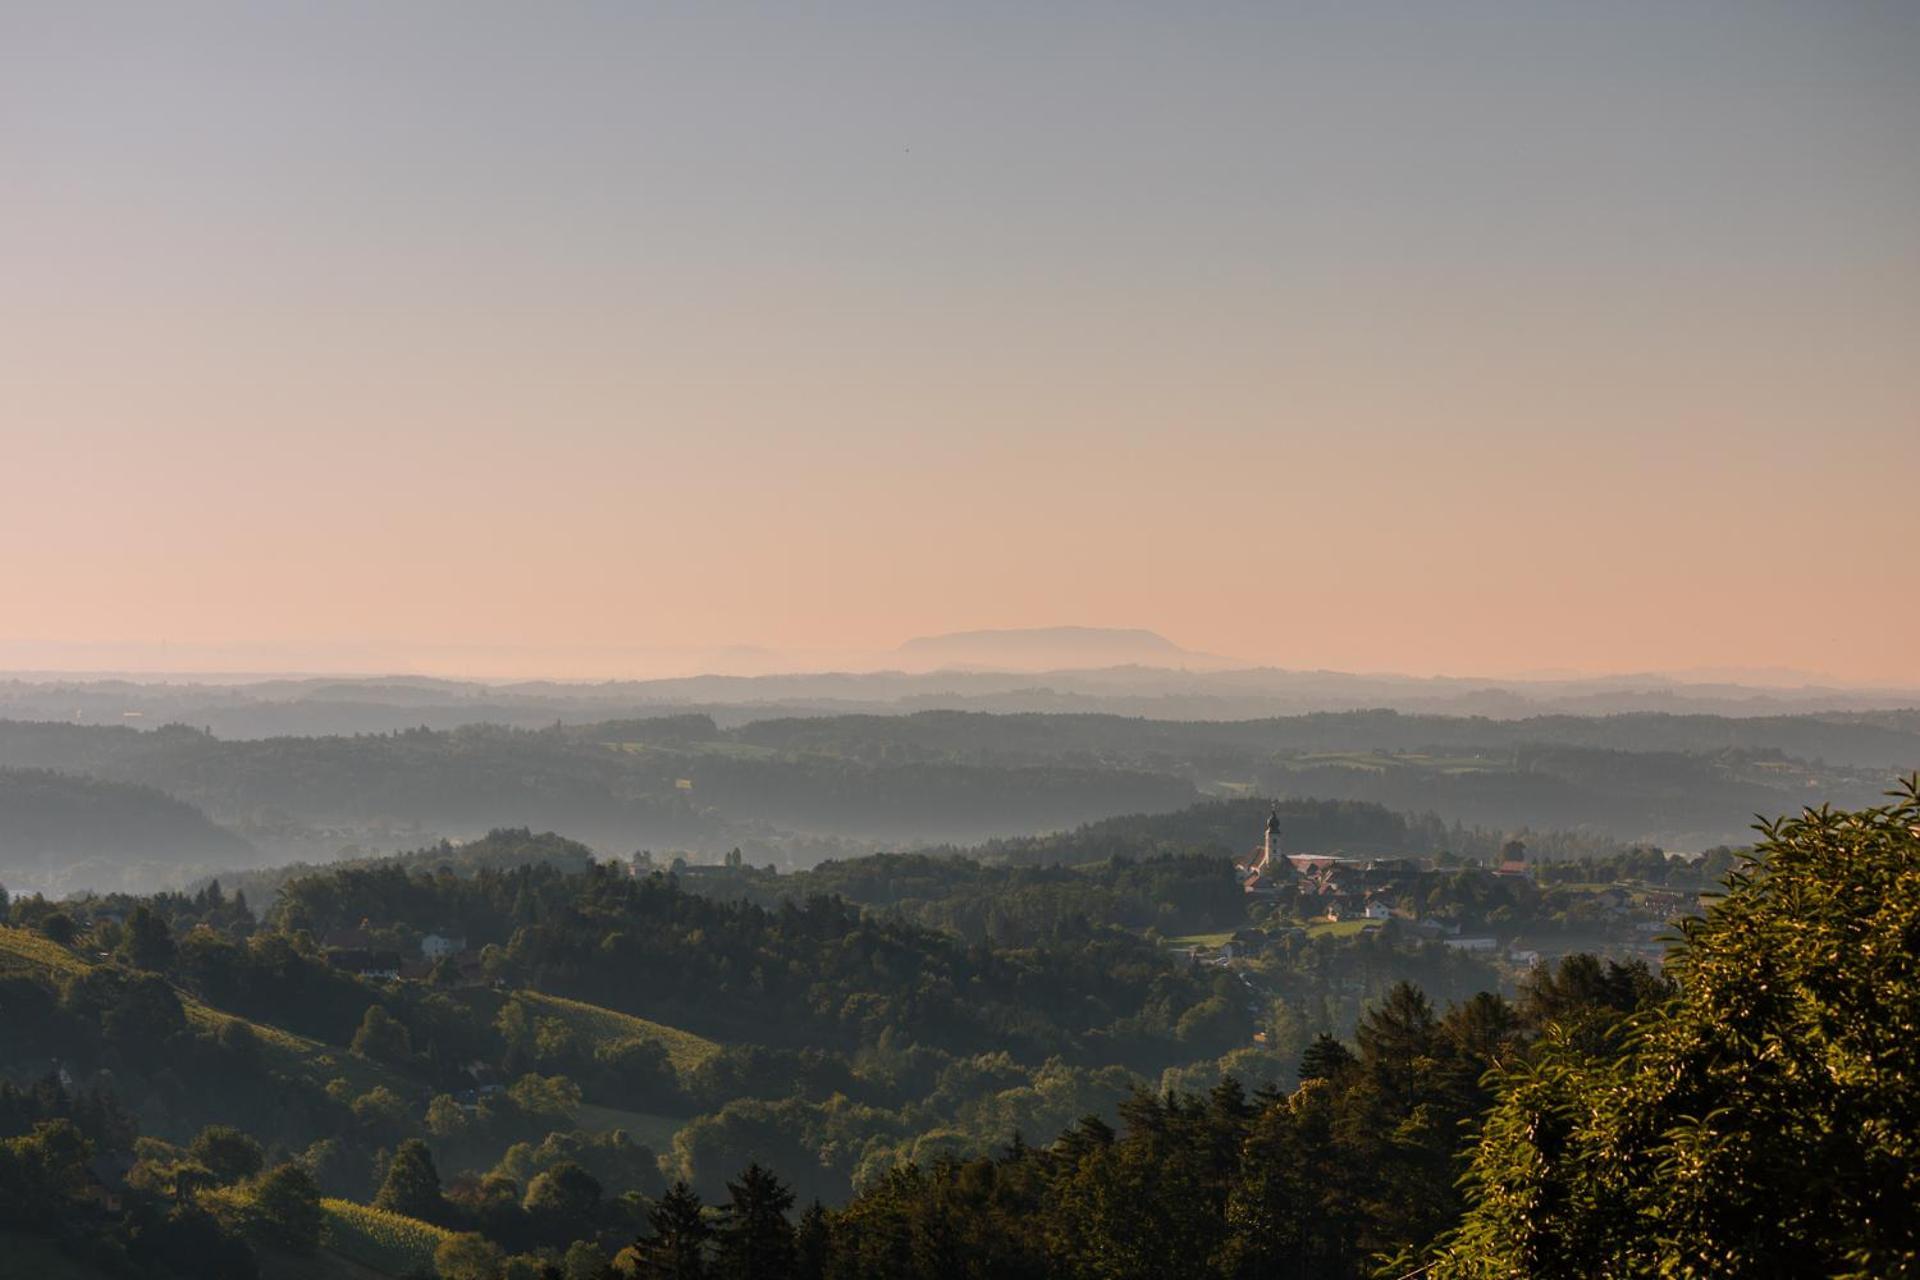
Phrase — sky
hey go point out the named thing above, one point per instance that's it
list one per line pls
(591, 339)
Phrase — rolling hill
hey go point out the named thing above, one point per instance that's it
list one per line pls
(58, 829)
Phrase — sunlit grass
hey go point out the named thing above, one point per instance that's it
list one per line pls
(24, 951)
(1342, 928)
(388, 1242)
(1202, 939)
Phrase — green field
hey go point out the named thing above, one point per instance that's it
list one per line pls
(1201, 939)
(1342, 928)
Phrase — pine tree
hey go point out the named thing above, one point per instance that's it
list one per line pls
(675, 1247)
(1324, 1059)
(1394, 1035)
(812, 1243)
(756, 1241)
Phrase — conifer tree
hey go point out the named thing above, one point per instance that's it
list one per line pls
(1325, 1058)
(675, 1247)
(756, 1241)
(812, 1243)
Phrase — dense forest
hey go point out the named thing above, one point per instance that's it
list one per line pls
(627, 1077)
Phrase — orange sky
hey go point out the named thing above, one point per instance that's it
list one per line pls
(1325, 341)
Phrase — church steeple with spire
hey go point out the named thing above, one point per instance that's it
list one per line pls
(1266, 864)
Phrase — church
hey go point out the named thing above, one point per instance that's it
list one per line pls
(1265, 870)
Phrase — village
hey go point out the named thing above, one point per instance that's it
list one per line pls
(1515, 914)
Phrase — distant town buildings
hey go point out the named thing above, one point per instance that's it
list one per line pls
(1333, 889)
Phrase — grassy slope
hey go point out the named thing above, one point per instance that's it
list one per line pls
(599, 1026)
(23, 952)
(297, 1055)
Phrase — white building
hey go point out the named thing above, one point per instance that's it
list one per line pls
(438, 946)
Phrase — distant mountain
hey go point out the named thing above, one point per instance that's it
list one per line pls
(1050, 649)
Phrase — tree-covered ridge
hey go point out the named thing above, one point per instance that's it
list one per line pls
(1174, 893)
(50, 819)
(812, 973)
(619, 786)
(1878, 738)
(798, 790)
(1230, 826)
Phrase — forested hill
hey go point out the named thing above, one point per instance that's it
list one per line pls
(502, 849)
(56, 824)
(620, 786)
(1230, 827)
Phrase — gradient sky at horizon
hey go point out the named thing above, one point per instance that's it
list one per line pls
(1462, 338)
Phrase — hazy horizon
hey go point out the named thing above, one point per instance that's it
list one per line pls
(240, 664)
(485, 340)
